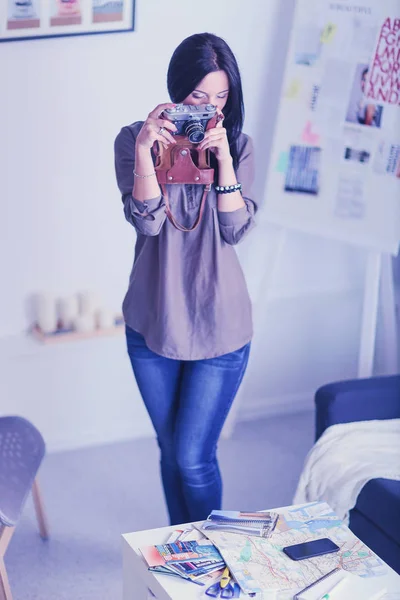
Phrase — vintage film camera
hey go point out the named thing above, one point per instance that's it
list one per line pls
(191, 120)
(184, 162)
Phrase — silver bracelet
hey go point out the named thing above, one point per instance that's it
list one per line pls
(228, 189)
(143, 176)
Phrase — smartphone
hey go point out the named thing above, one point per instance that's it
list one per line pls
(310, 549)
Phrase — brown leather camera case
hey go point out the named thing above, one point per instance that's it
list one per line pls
(184, 163)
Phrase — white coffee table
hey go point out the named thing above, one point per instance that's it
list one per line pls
(141, 584)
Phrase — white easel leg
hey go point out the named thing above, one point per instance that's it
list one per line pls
(388, 311)
(369, 315)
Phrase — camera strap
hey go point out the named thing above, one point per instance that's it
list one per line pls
(181, 164)
(171, 217)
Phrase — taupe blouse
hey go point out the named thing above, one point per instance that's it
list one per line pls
(187, 294)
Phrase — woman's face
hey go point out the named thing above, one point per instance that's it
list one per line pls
(213, 89)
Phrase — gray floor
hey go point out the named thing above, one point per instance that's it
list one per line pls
(94, 495)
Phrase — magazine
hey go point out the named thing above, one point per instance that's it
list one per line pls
(179, 552)
(191, 560)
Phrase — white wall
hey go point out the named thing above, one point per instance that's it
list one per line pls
(62, 227)
(65, 101)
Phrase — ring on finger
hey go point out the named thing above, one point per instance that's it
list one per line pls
(161, 131)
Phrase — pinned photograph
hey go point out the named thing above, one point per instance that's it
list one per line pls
(363, 110)
(308, 44)
(302, 174)
(361, 156)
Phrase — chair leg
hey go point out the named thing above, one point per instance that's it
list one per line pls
(5, 537)
(39, 509)
(5, 590)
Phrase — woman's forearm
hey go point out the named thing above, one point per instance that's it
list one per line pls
(226, 176)
(146, 185)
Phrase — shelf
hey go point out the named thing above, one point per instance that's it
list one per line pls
(73, 336)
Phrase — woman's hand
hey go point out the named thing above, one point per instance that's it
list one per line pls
(216, 140)
(156, 129)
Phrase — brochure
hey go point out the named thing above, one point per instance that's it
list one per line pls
(191, 559)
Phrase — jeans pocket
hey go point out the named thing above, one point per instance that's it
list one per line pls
(233, 359)
(134, 339)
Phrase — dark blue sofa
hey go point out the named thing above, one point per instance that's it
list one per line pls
(375, 518)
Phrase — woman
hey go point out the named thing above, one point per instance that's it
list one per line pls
(187, 309)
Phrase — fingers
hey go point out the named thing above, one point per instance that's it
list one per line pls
(213, 137)
(162, 140)
(208, 146)
(166, 135)
(162, 128)
(166, 124)
(221, 117)
(157, 129)
(215, 133)
(159, 109)
(220, 122)
(210, 143)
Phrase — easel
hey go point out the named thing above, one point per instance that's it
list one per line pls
(378, 294)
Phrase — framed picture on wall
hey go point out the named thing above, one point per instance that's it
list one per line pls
(36, 19)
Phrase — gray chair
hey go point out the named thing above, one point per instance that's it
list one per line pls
(21, 451)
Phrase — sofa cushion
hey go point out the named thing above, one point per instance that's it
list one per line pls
(379, 501)
(357, 400)
(374, 538)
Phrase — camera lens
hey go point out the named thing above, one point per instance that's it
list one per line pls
(195, 131)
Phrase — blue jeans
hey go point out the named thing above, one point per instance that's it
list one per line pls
(188, 402)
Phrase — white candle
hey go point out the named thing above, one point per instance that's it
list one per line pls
(67, 309)
(104, 318)
(46, 312)
(84, 323)
(88, 302)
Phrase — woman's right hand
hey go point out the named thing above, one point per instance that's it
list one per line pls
(152, 127)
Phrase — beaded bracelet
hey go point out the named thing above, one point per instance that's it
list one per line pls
(143, 176)
(228, 189)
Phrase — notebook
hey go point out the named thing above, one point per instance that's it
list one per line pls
(260, 524)
(342, 585)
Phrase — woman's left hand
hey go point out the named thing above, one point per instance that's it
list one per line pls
(216, 140)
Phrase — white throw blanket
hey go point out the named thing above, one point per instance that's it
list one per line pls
(345, 458)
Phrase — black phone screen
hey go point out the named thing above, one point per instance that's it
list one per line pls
(310, 549)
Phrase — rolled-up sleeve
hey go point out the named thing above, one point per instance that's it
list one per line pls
(149, 216)
(238, 223)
